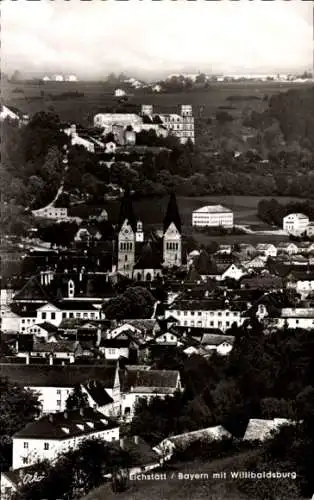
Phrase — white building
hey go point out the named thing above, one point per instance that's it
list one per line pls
(47, 437)
(295, 223)
(71, 78)
(13, 113)
(119, 93)
(59, 78)
(221, 344)
(180, 125)
(212, 216)
(108, 120)
(266, 249)
(206, 313)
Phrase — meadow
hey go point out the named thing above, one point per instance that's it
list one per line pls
(32, 97)
(152, 211)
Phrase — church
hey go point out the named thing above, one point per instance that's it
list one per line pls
(143, 257)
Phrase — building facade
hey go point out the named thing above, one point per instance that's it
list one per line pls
(213, 216)
(295, 223)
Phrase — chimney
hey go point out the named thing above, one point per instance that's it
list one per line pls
(82, 412)
(50, 359)
(50, 416)
(122, 443)
(27, 359)
(65, 414)
(136, 440)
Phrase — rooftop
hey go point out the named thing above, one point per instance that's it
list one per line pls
(65, 425)
(211, 209)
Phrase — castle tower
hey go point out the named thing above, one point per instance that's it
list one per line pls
(126, 236)
(188, 123)
(139, 235)
(172, 240)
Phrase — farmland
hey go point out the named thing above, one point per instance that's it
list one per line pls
(93, 97)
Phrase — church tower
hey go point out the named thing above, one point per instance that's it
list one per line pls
(126, 236)
(172, 239)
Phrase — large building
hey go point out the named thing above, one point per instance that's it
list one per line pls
(295, 223)
(143, 258)
(212, 216)
(55, 433)
(181, 125)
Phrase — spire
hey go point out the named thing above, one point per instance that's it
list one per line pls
(126, 211)
(172, 214)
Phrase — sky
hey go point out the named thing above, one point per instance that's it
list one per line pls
(151, 39)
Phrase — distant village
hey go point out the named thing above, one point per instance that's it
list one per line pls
(64, 329)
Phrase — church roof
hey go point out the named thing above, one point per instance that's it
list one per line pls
(127, 212)
(172, 214)
(149, 258)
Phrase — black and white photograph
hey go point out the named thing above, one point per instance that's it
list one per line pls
(157, 250)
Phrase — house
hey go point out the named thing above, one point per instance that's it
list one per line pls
(261, 429)
(144, 458)
(13, 114)
(225, 249)
(180, 125)
(266, 249)
(288, 248)
(44, 331)
(310, 229)
(146, 384)
(54, 383)
(258, 262)
(63, 350)
(116, 348)
(296, 317)
(167, 338)
(295, 223)
(55, 433)
(222, 344)
(212, 216)
(87, 233)
(301, 280)
(168, 446)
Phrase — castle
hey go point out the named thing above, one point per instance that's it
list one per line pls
(182, 126)
(144, 258)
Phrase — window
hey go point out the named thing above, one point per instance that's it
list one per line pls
(43, 315)
(78, 315)
(25, 460)
(219, 313)
(71, 315)
(25, 445)
(46, 446)
(199, 313)
(23, 320)
(58, 402)
(185, 313)
(227, 323)
(211, 323)
(227, 314)
(64, 315)
(59, 392)
(192, 313)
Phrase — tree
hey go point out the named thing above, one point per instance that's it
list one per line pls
(136, 302)
(77, 399)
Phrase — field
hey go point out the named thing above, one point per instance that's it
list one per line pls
(31, 97)
(152, 211)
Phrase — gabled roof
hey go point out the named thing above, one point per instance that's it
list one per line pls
(97, 391)
(32, 290)
(75, 421)
(57, 376)
(48, 327)
(182, 441)
(161, 381)
(217, 340)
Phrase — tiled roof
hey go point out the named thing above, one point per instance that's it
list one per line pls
(32, 290)
(97, 391)
(211, 339)
(52, 426)
(151, 380)
(57, 376)
(259, 429)
(60, 346)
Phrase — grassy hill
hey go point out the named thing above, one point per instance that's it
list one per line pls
(209, 488)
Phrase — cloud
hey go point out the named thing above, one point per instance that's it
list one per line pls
(94, 38)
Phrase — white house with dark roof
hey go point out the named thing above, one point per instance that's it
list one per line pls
(208, 313)
(222, 344)
(146, 384)
(52, 434)
(212, 216)
(295, 223)
(54, 383)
